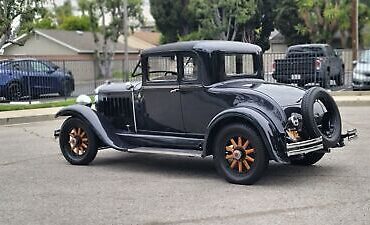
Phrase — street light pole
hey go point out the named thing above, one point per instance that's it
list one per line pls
(354, 29)
(125, 28)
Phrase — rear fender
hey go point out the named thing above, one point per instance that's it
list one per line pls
(273, 140)
(99, 124)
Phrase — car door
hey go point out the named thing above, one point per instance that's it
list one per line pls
(160, 96)
(40, 79)
(198, 106)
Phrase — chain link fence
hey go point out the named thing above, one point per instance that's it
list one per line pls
(43, 79)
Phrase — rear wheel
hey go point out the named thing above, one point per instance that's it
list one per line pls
(240, 156)
(77, 142)
(14, 92)
(339, 80)
(66, 91)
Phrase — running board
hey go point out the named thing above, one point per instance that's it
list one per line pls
(167, 151)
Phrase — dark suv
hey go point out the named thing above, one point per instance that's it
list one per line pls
(31, 77)
(204, 98)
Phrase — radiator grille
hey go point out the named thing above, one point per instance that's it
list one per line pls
(115, 107)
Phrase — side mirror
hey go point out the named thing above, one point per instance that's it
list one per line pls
(338, 53)
(354, 63)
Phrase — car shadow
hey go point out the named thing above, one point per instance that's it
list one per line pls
(277, 174)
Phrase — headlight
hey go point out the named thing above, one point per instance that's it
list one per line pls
(84, 100)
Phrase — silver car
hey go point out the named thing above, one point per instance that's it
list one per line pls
(361, 72)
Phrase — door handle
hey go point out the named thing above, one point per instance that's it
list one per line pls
(174, 90)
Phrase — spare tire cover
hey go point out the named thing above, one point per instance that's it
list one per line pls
(321, 116)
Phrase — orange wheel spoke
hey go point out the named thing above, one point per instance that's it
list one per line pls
(78, 131)
(75, 150)
(229, 148)
(83, 134)
(229, 156)
(249, 151)
(84, 145)
(246, 144)
(250, 159)
(246, 164)
(84, 139)
(233, 142)
(240, 165)
(239, 141)
(233, 164)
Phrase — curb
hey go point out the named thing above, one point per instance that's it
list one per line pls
(26, 119)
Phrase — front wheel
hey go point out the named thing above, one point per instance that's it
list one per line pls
(240, 156)
(77, 142)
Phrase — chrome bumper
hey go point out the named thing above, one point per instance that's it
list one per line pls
(303, 147)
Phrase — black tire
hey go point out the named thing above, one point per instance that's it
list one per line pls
(224, 165)
(330, 126)
(339, 80)
(325, 81)
(14, 92)
(69, 153)
(307, 159)
(66, 91)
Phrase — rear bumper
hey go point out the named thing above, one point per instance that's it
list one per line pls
(303, 147)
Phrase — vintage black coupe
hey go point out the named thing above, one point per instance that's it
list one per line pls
(203, 98)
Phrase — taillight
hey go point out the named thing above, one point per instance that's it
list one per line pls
(274, 67)
(318, 64)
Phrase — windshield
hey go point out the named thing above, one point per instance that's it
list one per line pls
(365, 57)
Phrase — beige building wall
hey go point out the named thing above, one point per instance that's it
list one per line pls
(38, 45)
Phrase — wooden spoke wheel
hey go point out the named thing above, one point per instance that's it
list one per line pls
(240, 155)
(77, 142)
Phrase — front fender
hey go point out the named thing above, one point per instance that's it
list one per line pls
(98, 123)
(273, 140)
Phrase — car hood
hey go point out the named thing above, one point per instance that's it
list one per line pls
(284, 95)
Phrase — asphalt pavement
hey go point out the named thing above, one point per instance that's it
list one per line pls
(37, 186)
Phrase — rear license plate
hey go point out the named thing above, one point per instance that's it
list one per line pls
(296, 76)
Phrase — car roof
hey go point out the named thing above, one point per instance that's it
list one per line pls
(308, 46)
(205, 46)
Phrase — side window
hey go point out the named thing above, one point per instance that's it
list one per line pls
(191, 68)
(162, 68)
(39, 67)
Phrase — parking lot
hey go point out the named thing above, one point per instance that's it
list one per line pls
(37, 186)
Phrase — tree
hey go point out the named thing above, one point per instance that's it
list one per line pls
(63, 11)
(286, 19)
(235, 20)
(13, 10)
(83, 5)
(172, 18)
(110, 13)
(324, 19)
(76, 23)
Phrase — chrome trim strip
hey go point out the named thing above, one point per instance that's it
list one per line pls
(165, 151)
(133, 109)
(303, 147)
(307, 142)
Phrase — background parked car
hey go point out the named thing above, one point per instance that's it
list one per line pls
(309, 63)
(361, 72)
(31, 77)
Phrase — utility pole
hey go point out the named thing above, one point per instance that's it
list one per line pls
(125, 28)
(354, 29)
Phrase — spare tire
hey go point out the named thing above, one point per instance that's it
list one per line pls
(321, 116)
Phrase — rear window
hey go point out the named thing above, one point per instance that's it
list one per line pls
(238, 65)
(305, 52)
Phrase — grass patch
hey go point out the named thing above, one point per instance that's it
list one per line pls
(9, 107)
